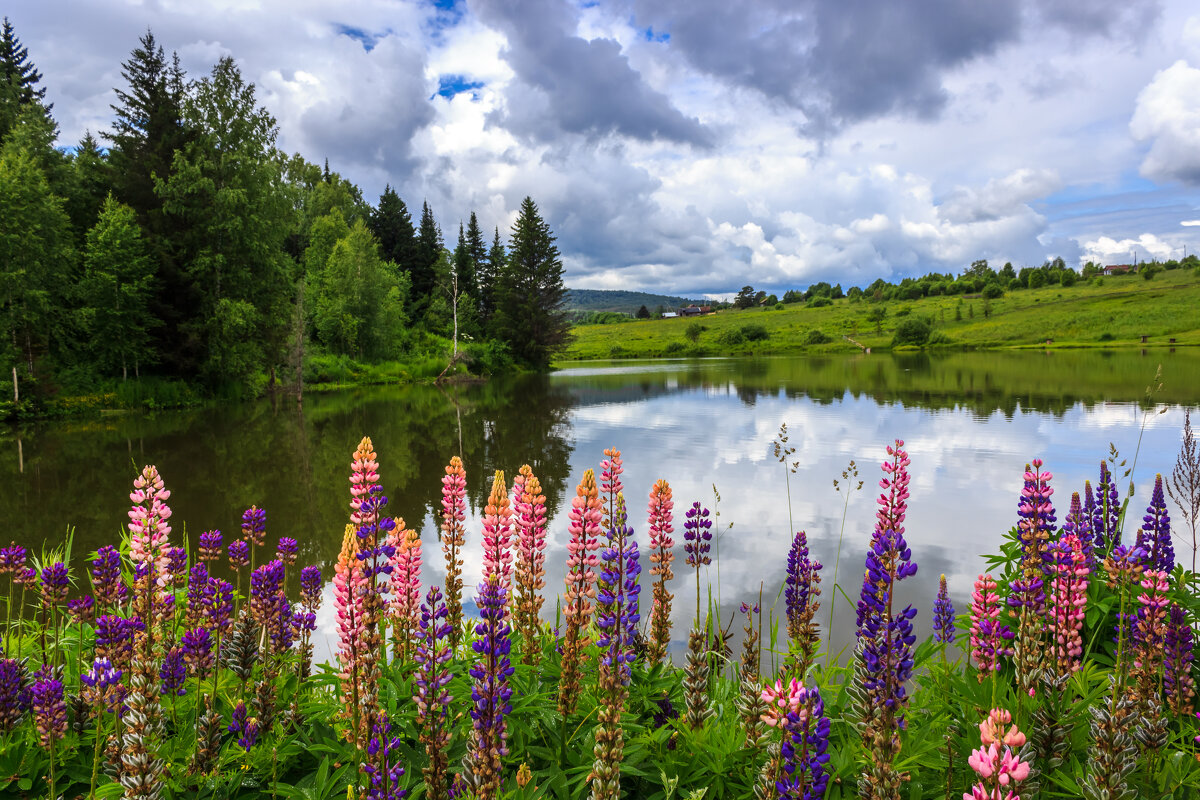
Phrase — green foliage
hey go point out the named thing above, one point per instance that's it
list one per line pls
(1037, 279)
(603, 318)
(731, 337)
(816, 336)
(1068, 277)
(693, 331)
(1148, 271)
(744, 298)
(912, 331)
(1105, 337)
(753, 332)
(674, 348)
(820, 302)
(939, 338)
(993, 291)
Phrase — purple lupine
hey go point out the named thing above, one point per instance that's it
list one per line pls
(1179, 650)
(382, 767)
(55, 583)
(196, 645)
(1036, 519)
(102, 686)
(943, 615)
(12, 559)
(432, 698)
(254, 526)
(245, 727)
(490, 692)
(177, 565)
(220, 604)
(114, 638)
(887, 638)
(106, 577)
(1079, 523)
(269, 606)
(1107, 512)
(286, 550)
(199, 595)
(310, 587)
(15, 694)
(804, 751)
(82, 609)
(173, 672)
(239, 554)
(697, 533)
(49, 707)
(799, 584)
(1155, 534)
(210, 545)
(617, 592)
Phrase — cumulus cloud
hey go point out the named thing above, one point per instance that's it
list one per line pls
(1168, 116)
(1106, 250)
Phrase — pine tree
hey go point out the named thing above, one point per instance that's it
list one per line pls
(19, 80)
(464, 265)
(529, 303)
(393, 227)
(89, 186)
(477, 251)
(116, 290)
(429, 250)
(487, 273)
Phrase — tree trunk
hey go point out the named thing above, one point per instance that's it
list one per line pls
(16, 391)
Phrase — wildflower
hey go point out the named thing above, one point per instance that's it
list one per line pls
(176, 565)
(310, 587)
(239, 554)
(998, 771)
(490, 693)
(269, 607)
(1028, 595)
(781, 701)
(383, 768)
(199, 595)
(989, 636)
(254, 526)
(1155, 534)
(12, 559)
(584, 529)
(660, 511)
(286, 550)
(114, 638)
(406, 588)
(454, 515)
(173, 672)
(210, 546)
(49, 708)
(943, 615)
(245, 726)
(1079, 523)
(82, 609)
(148, 524)
(55, 582)
(101, 686)
(197, 652)
(497, 534)
(1179, 647)
(804, 751)
(802, 592)
(432, 698)
(1149, 632)
(1069, 598)
(610, 483)
(16, 697)
(347, 598)
(1107, 514)
(529, 514)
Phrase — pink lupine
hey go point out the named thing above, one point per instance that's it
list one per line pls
(406, 587)
(782, 700)
(454, 515)
(148, 526)
(529, 514)
(497, 536)
(989, 636)
(999, 771)
(348, 581)
(660, 511)
(584, 529)
(1068, 601)
(610, 483)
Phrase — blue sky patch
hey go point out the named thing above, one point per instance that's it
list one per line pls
(450, 85)
(651, 35)
(366, 39)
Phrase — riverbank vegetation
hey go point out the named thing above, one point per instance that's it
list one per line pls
(1104, 311)
(177, 668)
(183, 252)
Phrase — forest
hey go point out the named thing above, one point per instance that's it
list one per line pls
(181, 255)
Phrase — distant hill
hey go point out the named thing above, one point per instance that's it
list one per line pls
(588, 300)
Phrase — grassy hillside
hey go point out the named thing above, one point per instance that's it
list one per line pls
(625, 302)
(1116, 314)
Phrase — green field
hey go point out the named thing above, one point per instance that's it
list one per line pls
(1118, 313)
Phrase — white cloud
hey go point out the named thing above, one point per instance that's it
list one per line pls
(1168, 116)
(1109, 251)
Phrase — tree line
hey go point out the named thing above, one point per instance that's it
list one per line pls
(184, 243)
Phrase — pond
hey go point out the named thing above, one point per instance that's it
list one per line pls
(970, 421)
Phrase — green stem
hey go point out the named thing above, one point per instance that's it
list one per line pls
(836, 563)
(96, 750)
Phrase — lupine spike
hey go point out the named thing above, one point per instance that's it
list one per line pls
(1068, 602)
(406, 588)
(1155, 534)
(454, 515)
(943, 614)
(1028, 597)
(432, 698)
(661, 556)
(497, 535)
(529, 514)
(584, 517)
(802, 592)
(491, 691)
(1179, 649)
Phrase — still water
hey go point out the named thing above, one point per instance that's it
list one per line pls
(970, 421)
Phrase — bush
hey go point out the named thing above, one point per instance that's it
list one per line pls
(779, 306)
(1037, 279)
(488, 357)
(938, 338)
(819, 302)
(731, 337)
(1068, 277)
(912, 331)
(903, 311)
(817, 337)
(1105, 337)
(755, 333)
(676, 347)
(615, 351)
(992, 291)
(693, 331)
(1149, 271)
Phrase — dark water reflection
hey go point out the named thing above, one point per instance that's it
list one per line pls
(971, 422)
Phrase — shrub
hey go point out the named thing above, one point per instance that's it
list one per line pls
(615, 350)
(1105, 337)
(1097, 281)
(1037, 279)
(693, 331)
(676, 347)
(779, 306)
(903, 311)
(731, 337)
(992, 291)
(1149, 271)
(819, 302)
(1068, 277)
(939, 338)
(488, 357)
(755, 333)
(913, 331)
(817, 337)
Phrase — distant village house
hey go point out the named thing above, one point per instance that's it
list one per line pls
(1119, 269)
(695, 311)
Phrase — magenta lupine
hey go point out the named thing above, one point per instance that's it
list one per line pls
(432, 697)
(1068, 601)
(660, 511)
(989, 636)
(1155, 534)
(999, 772)
(943, 615)
(584, 530)
(406, 588)
(454, 515)
(1179, 650)
(529, 516)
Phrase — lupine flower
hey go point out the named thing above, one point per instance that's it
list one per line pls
(749, 702)
(1123, 567)
(998, 771)
(254, 526)
(454, 515)
(406, 587)
(802, 592)
(943, 615)
(989, 636)
(432, 698)
(1068, 601)
(490, 693)
(382, 767)
(12, 559)
(220, 602)
(197, 652)
(1079, 523)
(101, 686)
(885, 638)
(1149, 631)
(26, 577)
(1028, 595)
(244, 726)
(661, 556)
(55, 582)
(49, 708)
(269, 607)
(239, 554)
(114, 639)
(617, 599)
(1155, 534)
(1179, 648)
(286, 550)
(148, 526)
(497, 534)
(210, 545)
(1105, 519)
(16, 696)
(82, 609)
(697, 535)
(199, 595)
(173, 672)
(529, 514)
(610, 483)
(176, 565)
(347, 598)
(803, 753)
(782, 700)
(584, 528)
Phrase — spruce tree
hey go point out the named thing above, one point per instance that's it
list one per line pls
(530, 292)
(486, 275)
(477, 251)
(429, 249)
(464, 265)
(19, 79)
(393, 227)
(90, 184)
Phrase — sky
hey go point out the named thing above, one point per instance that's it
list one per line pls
(696, 146)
